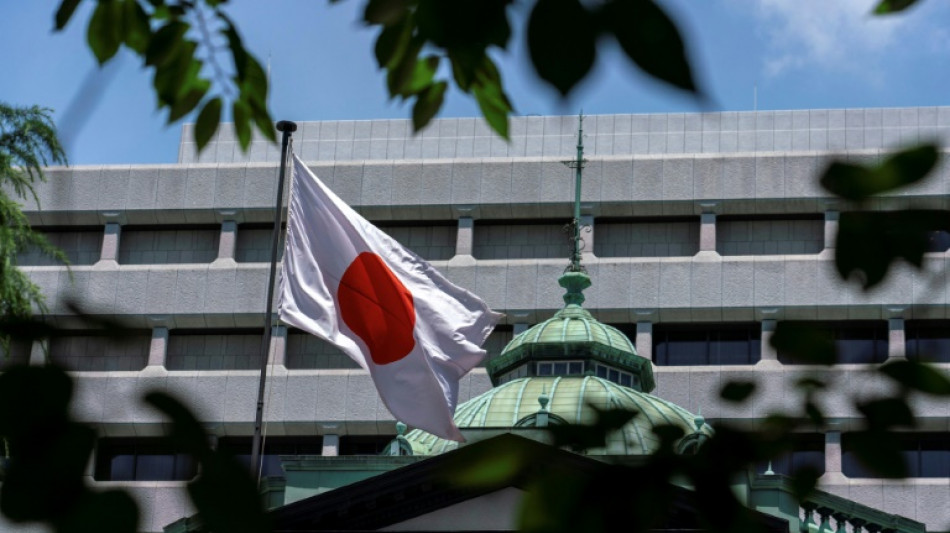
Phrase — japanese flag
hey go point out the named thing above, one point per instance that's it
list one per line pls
(346, 281)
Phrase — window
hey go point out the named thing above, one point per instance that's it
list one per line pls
(97, 351)
(617, 376)
(141, 460)
(926, 455)
(560, 368)
(433, 240)
(308, 351)
(274, 447)
(857, 342)
(784, 234)
(364, 444)
(928, 340)
(253, 243)
(647, 237)
(214, 349)
(81, 244)
(707, 344)
(156, 245)
(520, 239)
(807, 451)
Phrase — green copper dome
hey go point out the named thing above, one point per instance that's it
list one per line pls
(569, 400)
(577, 343)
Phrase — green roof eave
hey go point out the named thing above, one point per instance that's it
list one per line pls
(590, 350)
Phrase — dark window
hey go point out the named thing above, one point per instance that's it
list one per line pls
(433, 240)
(647, 237)
(928, 340)
(807, 451)
(214, 349)
(364, 444)
(141, 460)
(778, 234)
(254, 242)
(520, 239)
(926, 455)
(707, 344)
(857, 342)
(81, 244)
(150, 245)
(274, 447)
(100, 351)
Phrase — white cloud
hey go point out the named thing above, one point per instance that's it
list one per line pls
(830, 34)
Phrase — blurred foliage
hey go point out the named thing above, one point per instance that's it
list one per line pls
(886, 7)
(28, 143)
(181, 40)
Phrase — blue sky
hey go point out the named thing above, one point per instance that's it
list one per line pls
(798, 53)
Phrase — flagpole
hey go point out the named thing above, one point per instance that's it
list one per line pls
(287, 128)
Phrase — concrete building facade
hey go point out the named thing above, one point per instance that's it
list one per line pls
(703, 231)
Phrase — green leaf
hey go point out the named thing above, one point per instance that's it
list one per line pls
(242, 127)
(584, 437)
(263, 120)
(64, 13)
(187, 102)
(400, 76)
(869, 242)
(177, 74)
(561, 42)
(385, 12)
(254, 83)
(651, 40)
(492, 101)
(138, 31)
(878, 451)
(428, 103)
(112, 510)
(238, 53)
(887, 7)
(737, 391)
(918, 376)
(804, 342)
(856, 182)
(422, 76)
(103, 32)
(207, 123)
(392, 44)
(884, 413)
(804, 481)
(814, 414)
(224, 494)
(164, 44)
(463, 24)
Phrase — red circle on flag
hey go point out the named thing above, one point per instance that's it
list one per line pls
(378, 308)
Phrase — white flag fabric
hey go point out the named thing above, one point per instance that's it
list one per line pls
(349, 283)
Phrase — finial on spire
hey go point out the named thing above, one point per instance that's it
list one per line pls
(575, 226)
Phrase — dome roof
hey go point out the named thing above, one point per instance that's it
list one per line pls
(573, 334)
(570, 400)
